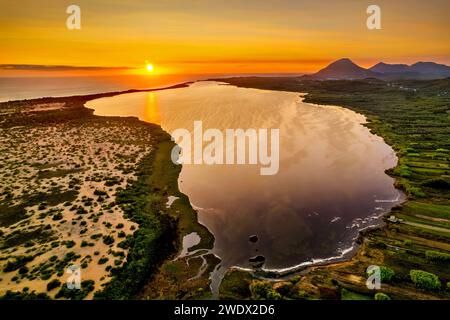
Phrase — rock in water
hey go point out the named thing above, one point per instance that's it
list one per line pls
(257, 261)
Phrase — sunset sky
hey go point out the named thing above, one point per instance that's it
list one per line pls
(209, 36)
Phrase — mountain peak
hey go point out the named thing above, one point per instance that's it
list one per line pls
(344, 69)
(343, 61)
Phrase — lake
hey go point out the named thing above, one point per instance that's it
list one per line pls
(331, 181)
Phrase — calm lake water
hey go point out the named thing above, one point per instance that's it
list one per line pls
(331, 181)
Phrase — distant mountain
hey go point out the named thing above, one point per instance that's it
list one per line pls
(419, 70)
(382, 67)
(344, 69)
(431, 70)
(347, 69)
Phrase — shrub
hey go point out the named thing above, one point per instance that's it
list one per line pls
(100, 192)
(18, 263)
(259, 289)
(382, 296)
(407, 242)
(96, 236)
(125, 244)
(300, 294)
(263, 290)
(55, 283)
(386, 274)
(103, 260)
(23, 270)
(81, 210)
(86, 287)
(437, 256)
(108, 240)
(425, 280)
(437, 183)
(448, 285)
(273, 295)
(295, 279)
(57, 216)
(24, 295)
(70, 243)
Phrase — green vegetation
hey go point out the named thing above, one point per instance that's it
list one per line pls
(425, 280)
(17, 263)
(159, 178)
(86, 287)
(36, 235)
(69, 244)
(262, 290)
(108, 240)
(151, 243)
(24, 295)
(55, 283)
(382, 296)
(350, 295)
(436, 256)
(235, 285)
(100, 192)
(386, 274)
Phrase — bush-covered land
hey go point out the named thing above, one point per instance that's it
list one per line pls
(414, 118)
(150, 244)
(425, 280)
(113, 217)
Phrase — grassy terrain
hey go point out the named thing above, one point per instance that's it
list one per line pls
(149, 249)
(414, 118)
(160, 232)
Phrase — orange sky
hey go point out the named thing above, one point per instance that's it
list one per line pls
(212, 36)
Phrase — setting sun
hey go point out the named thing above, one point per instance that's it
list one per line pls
(149, 67)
